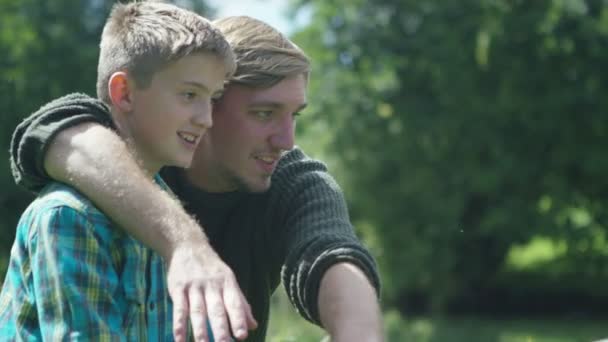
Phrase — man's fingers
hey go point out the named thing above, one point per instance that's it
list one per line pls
(251, 322)
(203, 280)
(236, 308)
(198, 314)
(180, 315)
(217, 314)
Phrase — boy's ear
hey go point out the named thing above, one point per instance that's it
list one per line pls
(119, 87)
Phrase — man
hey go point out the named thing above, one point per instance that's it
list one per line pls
(267, 209)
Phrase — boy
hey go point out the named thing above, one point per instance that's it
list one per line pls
(72, 275)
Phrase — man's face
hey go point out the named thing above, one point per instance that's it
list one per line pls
(169, 117)
(252, 127)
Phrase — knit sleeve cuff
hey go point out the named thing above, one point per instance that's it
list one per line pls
(304, 284)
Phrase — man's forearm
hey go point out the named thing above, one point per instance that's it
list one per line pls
(96, 161)
(348, 306)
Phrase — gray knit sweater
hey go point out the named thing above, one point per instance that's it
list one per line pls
(294, 231)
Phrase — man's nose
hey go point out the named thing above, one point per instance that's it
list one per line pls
(284, 134)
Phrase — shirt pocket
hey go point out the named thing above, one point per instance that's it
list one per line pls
(133, 281)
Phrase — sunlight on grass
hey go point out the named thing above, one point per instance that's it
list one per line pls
(539, 250)
(287, 326)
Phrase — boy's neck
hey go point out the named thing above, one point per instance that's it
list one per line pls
(145, 163)
(149, 168)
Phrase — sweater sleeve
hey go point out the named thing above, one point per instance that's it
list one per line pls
(317, 231)
(33, 135)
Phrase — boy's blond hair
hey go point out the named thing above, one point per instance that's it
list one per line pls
(264, 56)
(143, 37)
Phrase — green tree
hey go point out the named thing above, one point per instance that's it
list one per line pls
(464, 130)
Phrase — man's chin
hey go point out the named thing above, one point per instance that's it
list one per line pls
(259, 189)
(259, 186)
(184, 164)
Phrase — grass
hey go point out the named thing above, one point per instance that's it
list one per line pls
(287, 326)
(485, 329)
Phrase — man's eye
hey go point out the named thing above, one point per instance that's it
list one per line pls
(216, 99)
(263, 114)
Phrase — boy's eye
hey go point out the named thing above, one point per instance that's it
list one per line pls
(189, 95)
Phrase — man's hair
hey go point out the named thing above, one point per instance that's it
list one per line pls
(264, 56)
(143, 37)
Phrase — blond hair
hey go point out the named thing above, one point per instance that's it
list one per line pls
(264, 56)
(141, 38)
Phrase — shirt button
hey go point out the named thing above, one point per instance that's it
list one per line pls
(151, 306)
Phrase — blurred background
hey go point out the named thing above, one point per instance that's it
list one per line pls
(469, 137)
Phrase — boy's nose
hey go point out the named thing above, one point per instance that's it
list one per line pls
(203, 116)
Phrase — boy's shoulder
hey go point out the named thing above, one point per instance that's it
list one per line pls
(62, 203)
(59, 206)
(60, 195)
(57, 195)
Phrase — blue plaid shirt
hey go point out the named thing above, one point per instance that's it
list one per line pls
(74, 275)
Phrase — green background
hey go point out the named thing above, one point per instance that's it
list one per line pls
(469, 137)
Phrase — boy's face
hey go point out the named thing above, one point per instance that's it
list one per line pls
(252, 128)
(170, 116)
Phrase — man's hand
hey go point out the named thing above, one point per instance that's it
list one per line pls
(203, 287)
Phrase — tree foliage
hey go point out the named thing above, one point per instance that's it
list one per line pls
(465, 132)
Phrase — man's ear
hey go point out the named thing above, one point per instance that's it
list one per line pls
(119, 87)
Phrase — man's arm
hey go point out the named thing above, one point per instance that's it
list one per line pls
(95, 160)
(320, 243)
(348, 305)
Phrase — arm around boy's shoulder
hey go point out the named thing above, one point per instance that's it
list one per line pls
(34, 134)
